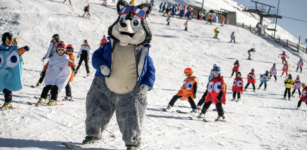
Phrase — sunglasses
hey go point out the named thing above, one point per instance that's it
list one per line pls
(9, 38)
(135, 10)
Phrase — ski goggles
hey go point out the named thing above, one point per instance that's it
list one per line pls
(186, 74)
(61, 50)
(69, 50)
(9, 38)
(135, 10)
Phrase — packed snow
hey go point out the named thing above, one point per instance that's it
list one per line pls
(261, 120)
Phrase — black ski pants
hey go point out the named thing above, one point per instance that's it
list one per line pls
(234, 40)
(215, 36)
(299, 91)
(176, 97)
(8, 95)
(261, 85)
(41, 79)
(68, 90)
(202, 100)
(234, 95)
(287, 91)
(233, 73)
(298, 68)
(54, 92)
(219, 108)
(274, 77)
(248, 85)
(84, 58)
(299, 103)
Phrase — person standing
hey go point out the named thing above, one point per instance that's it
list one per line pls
(168, 19)
(285, 69)
(85, 52)
(303, 97)
(87, 10)
(300, 65)
(235, 68)
(69, 52)
(297, 86)
(264, 78)
(273, 72)
(251, 78)
(288, 85)
(237, 87)
(223, 21)
(216, 32)
(249, 52)
(233, 37)
(283, 57)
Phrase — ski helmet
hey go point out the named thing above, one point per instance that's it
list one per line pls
(283, 52)
(70, 46)
(274, 64)
(301, 58)
(238, 73)
(85, 41)
(56, 36)
(303, 85)
(267, 72)
(7, 36)
(252, 70)
(290, 76)
(188, 71)
(297, 76)
(61, 45)
(214, 65)
(237, 61)
(218, 69)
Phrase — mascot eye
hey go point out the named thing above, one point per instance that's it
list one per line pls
(183, 84)
(234, 82)
(12, 59)
(189, 85)
(122, 19)
(239, 83)
(217, 87)
(210, 87)
(1, 60)
(136, 21)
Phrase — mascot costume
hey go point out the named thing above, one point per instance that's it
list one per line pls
(124, 74)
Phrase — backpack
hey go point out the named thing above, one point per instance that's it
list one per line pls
(85, 8)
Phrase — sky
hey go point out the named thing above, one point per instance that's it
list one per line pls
(289, 8)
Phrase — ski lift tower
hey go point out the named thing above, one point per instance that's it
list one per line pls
(263, 10)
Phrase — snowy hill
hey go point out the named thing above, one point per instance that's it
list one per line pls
(262, 120)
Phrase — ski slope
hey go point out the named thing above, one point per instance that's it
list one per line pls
(262, 120)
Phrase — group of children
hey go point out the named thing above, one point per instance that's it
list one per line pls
(58, 73)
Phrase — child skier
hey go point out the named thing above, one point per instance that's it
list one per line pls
(57, 75)
(283, 57)
(216, 32)
(10, 68)
(223, 21)
(216, 95)
(303, 97)
(233, 37)
(273, 72)
(288, 84)
(264, 79)
(187, 92)
(297, 86)
(168, 19)
(87, 10)
(285, 69)
(85, 56)
(186, 25)
(235, 68)
(161, 6)
(69, 52)
(300, 64)
(104, 3)
(237, 87)
(152, 2)
(249, 52)
(251, 78)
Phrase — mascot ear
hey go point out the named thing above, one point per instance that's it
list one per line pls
(121, 4)
(146, 7)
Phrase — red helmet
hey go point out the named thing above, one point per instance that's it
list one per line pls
(85, 41)
(188, 71)
(61, 45)
(70, 46)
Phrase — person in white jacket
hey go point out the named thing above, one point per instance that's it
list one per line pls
(85, 52)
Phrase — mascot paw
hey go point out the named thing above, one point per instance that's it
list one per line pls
(144, 89)
(104, 70)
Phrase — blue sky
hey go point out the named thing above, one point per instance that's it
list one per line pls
(289, 8)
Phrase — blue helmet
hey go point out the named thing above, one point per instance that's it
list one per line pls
(290, 75)
(218, 69)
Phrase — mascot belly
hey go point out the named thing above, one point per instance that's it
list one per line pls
(124, 74)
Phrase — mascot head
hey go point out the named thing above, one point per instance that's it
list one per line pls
(131, 27)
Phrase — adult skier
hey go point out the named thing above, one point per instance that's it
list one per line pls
(237, 87)
(69, 52)
(264, 79)
(235, 68)
(85, 52)
(285, 69)
(249, 52)
(187, 92)
(57, 75)
(216, 95)
(10, 68)
(251, 78)
(297, 86)
(283, 57)
(288, 84)
(300, 65)
(87, 10)
(303, 97)
(103, 41)
(273, 72)
(216, 32)
(233, 37)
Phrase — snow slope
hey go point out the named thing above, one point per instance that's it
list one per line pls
(263, 120)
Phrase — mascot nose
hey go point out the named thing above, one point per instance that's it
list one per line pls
(123, 24)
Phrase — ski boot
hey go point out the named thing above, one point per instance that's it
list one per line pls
(198, 107)
(238, 99)
(41, 101)
(297, 108)
(130, 147)
(168, 108)
(201, 115)
(289, 99)
(7, 105)
(194, 111)
(233, 99)
(68, 98)
(285, 98)
(51, 102)
(220, 118)
(90, 140)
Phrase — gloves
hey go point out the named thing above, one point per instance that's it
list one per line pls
(26, 48)
(144, 88)
(306, 97)
(104, 70)
(220, 96)
(194, 96)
